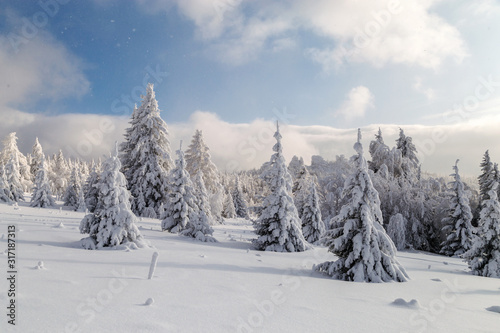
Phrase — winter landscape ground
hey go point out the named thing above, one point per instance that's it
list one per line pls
(222, 287)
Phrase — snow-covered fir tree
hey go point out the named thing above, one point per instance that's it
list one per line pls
(365, 251)
(313, 226)
(379, 152)
(202, 197)
(396, 230)
(295, 166)
(36, 158)
(13, 177)
(4, 187)
(486, 178)
(59, 175)
(10, 148)
(183, 213)
(74, 188)
(198, 160)
(91, 192)
(146, 153)
(42, 194)
(484, 256)
(457, 225)
(240, 204)
(300, 189)
(279, 227)
(409, 162)
(113, 222)
(81, 206)
(229, 211)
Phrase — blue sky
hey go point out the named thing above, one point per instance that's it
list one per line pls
(332, 66)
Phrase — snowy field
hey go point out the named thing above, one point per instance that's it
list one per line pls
(221, 287)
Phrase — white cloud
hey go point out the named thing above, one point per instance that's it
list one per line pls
(358, 101)
(428, 92)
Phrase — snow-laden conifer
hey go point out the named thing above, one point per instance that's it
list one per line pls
(278, 227)
(457, 225)
(365, 252)
(300, 189)
(229, 211)
(91, 192)
(59, 175)
(313, 226)
(13, 177)
(198, 160)
(202, 197)
(379, 152)
(183, 213)
(10, 148)
(42, 195)
(73, 189)
(240, 204)
(396, 230)
(146, 154)
(113, 222)
(484, 256)
(486, 178)
(4, 187)
(36, 158)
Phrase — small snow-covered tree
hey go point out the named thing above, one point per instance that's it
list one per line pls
(484, 256)
(113, 222)
(379, 152)
(183, 213)
(313, 226)
(4, 187)
(486, 178)
(91, 192)
(279, 227)
(202, 197)
(240, 205)
(10, 148)
(295, 166)
(198, 160)
(42, 195)
(16, 190)
(457, 225)
(365, 251)
(146, 155)
(300, 189)
(396, 230)
(36, 158)
(229, 211)
(59, 175)
(72, 191)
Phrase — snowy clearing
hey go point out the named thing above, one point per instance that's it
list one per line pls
(222, 287)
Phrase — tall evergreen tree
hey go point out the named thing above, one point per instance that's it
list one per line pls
(202, 197)
(198, 160)
(16, 191)
(365, 251)
(300, 189)
(90, 191)
(73, 189)
(278, 226)
(486, 179)
(36, 158)
(10, 148)
(484, 256)
(59, 175)
(112, 222)
(4, 186)
(146, 154)
(313, 226)
(379, 152)
(42, 195)
(240, 204)
(457, 225)
(229, 211)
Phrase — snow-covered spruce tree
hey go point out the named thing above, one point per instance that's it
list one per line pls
(4, 187)
(300, 189)
(113, 222)
(379, 152)
(365, 251)
(295, 166)
(396, 230)
(409, 162)
(16, 191)
(279, 227)
(90, 191)
(81, 206)
(202, 197)
(198, 160)
(486, 178)
(484, 256)
(457, 225)
(10, 148)
(36, 158)
(42, 195)
(72, 191)
(229, 211)
(240, 205)
(59, 174)
(182, 213)
(146, 154)
(313, 226)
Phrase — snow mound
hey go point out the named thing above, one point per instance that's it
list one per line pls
(149, 301)
(40, 265)
(60, 226)
(413, 304)
(495, 308)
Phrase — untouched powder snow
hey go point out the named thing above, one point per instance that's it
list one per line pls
(221, 287)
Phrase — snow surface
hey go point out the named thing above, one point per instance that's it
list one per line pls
(222, 287)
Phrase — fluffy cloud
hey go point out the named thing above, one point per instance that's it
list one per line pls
(358, 101)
